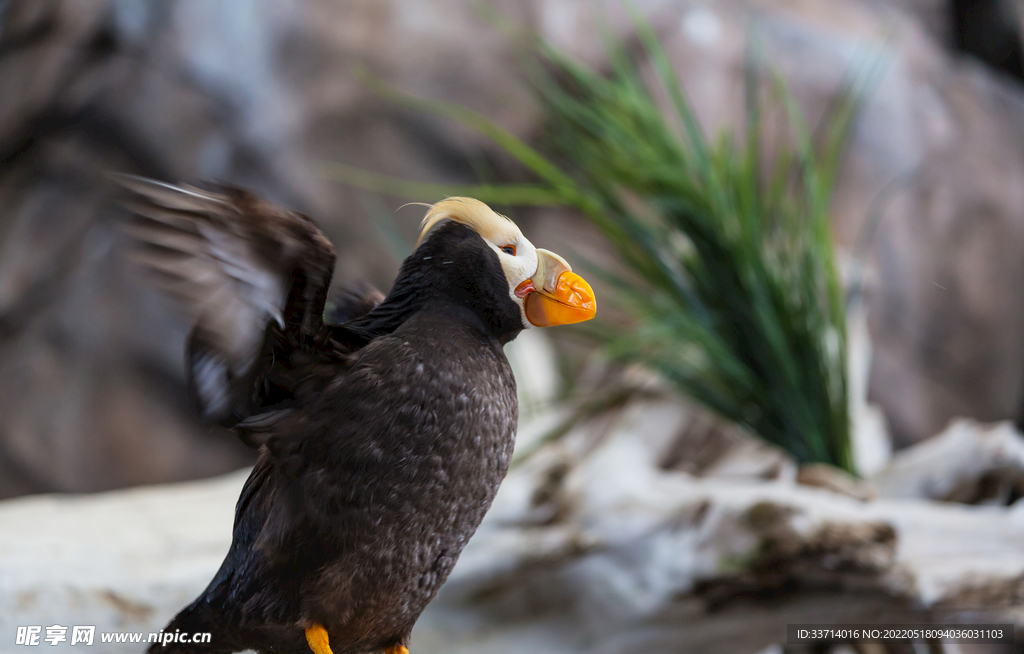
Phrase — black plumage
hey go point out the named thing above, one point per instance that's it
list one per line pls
(383, 437)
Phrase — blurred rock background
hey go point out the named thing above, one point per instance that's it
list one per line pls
(262, 94)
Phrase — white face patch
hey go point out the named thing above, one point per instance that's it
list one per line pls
(518, 267)
(517, 255)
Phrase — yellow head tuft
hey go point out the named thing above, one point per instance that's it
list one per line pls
(469, 212)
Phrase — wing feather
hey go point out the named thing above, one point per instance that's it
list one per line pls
(235, 264)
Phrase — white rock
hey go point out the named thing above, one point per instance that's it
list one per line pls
(123, 561)
(632, 559)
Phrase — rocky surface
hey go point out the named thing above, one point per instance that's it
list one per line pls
(593, 545)
(263, 94)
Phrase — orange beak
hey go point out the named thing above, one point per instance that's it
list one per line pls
(555, 295)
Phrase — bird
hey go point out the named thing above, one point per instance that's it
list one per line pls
(383, 429)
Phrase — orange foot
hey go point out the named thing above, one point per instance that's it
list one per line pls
(397, 649)
(318, 641)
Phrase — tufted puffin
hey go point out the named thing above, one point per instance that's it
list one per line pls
(382, 436)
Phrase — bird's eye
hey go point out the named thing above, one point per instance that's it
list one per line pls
(509, 249)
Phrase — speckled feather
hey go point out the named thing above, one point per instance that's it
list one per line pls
(384, 440)
(356, 523)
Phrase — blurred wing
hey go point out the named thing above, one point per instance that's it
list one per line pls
(235, 264)
(353, 302)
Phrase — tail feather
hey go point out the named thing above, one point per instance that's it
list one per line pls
(194, 631)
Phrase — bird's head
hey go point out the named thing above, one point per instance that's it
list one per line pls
(494, 258)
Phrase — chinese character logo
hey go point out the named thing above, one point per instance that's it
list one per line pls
(82, 635)
(56, 634)
(28, 635)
